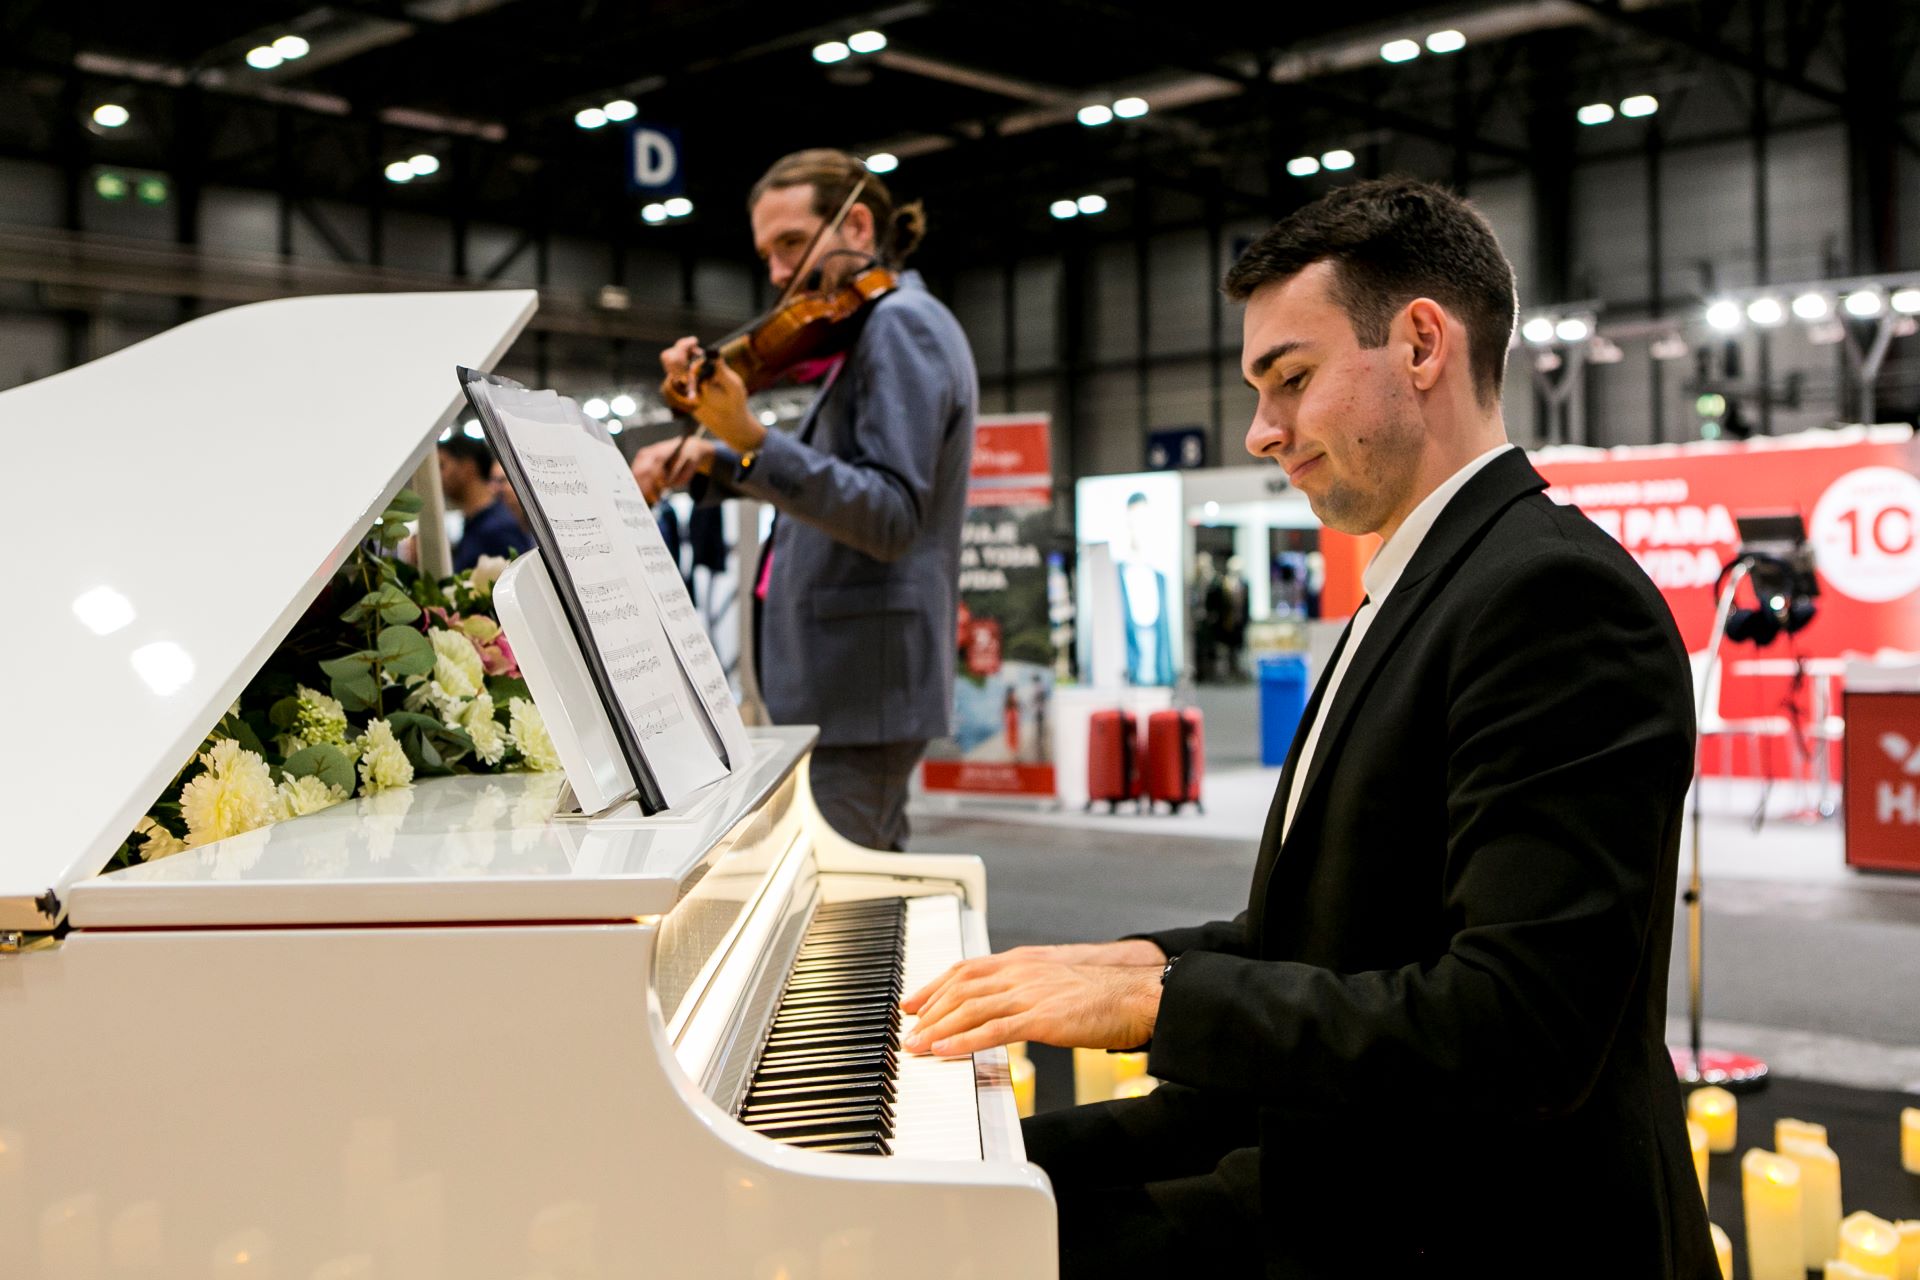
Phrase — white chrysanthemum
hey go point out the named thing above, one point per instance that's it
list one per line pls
(157, 841)
(530, 735)
(431, 695)
(486, 573)
(235, 794)
(383, 762)
(489, 741)
(299, 796)
(457, 668)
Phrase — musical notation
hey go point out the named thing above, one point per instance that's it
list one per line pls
(609, 602)
(582, 538)
(633, 512)
(658, 560)
(633, 662)
(554, 473)
(654, 716)
(680, 610)
(716, 691)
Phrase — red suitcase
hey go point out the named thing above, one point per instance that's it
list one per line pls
(1176, 758)
(1113, 758)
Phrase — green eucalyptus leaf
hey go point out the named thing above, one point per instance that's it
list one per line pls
(406, 505)
(405, 652)
(357, 692)
(284, 713)
(349, 664)
(327, 763)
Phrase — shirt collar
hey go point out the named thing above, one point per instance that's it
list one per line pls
(1392, 559)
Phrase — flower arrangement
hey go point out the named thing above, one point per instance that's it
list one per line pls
(390, 676)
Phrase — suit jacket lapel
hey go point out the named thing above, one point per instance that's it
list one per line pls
(805, 431)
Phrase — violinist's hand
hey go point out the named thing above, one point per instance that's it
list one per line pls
(650, 465)
(722, 409)
(1049, 994)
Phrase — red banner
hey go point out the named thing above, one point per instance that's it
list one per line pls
(1883, 781)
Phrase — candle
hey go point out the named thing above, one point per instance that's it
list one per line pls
(1128, 1066)
(1022, 1071)
(1909, 1233)
(1870, 1244)
(1714, 1109)
(1838, 1270)
(1819, 1196)
(1910, 1139)
(1799, 1131)
(1018, 1050)
(1092, 1076)
(1697, 1139)
(1770, 1185)
(1723, 1250)
(1138, 1087)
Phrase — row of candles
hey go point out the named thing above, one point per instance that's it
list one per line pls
(1097, 1076)
(1791, 1196)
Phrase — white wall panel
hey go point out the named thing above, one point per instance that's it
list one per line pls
(579, 264)
(1110, 303)
(1036, 314)
(416, 242)
(723, 286)
(31, 347)
(1180, 291)
(979, 303)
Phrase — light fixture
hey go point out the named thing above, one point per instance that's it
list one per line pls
(103, 610)
(623, 404)
(1766, 312)
(1669, 346)
(1095, 114)
(1826, 333)
(1572, 329)
(831, 51)
(111, 186)
(1130, 108)
(471, 429)
(1212, 510)
(1340, 158)
(1303, 166)
(1400, 50)
(1812, 306)
(111, 115)
(399, 171)
(151, 190)
(867, 41)
(1863, 303)
(262, 58)
(768, 417)
(423, 165)
(1064, 209)
(1906, 301)
(1594, 113)
(1603, 350)
(678, 207)
(654, 213)
(620, 111)
(1640, 104)
(882, 162)
(615, 426)
(590, 117)
(595, 408)
(446, 435)
(291, 47)
(1091, 205)
(1724, 315)
(1448, 41)
(1538, 330)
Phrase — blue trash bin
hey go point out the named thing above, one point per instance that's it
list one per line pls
(1283, 698)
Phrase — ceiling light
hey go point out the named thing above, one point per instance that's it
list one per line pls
(1091, 204)
(1448, 41)
(1724, 315)
(623, 404)
(423, 165)
(678, 207)
(615, 426)
(1812, 306)
(1572, 329)
(1640, 104)
(1400, 50)
(768, 417)
(261, 58)
(1303, 166)
(1095, 114)
(291, 47)
(831, 51)
(446, 435)
(1537, 330)
(1603, 350)
(590, 117)
(399, 171)
(1906, 301)
(1668, 347)
(867, 41)
(110, 186)
(1338, 159)
(1766, 311)
(654, 213)
(1594, 113)
(620, 111)
(1863, 303)
(595, 408)
(1064, 209)
(1130, 108)
(882, 162)
(111, 115)
(471, 429)
(1826, 333)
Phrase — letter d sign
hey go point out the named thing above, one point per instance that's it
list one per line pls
(654, 159)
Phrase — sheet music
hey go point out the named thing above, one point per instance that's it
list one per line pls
(567, 470)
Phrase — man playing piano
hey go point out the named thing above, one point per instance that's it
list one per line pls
(857, 589)
(1432, 1043)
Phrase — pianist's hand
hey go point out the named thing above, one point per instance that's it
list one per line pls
(650, 465)
(1101, 996)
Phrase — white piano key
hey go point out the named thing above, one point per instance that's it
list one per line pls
(936, 1109)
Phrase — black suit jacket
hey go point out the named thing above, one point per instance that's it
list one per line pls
(1446, 1000)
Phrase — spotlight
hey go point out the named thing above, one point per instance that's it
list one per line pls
(446, 435)
(1064, 209)
(590, 117)
(623, 404)
(424, 166)
(595, 408)
(1130, 108)
(678, 207)
(1812, 306)
(1400, 50)
(1864, 304)
(111, 186)
(1594, 113)
(1724, 315)
(1640, 104)
(471, 429)
(831, 51)
(1303, 166)
(1906, 301)
(1337, 159)
(291, 47)
(1766, 312)
(866, 42)
(768, 417)
(399, 171)
(1091, 205)
(1448, 41)
(1212, 509)
(1537, 330)
(882, 162)
(1095, 114)
(654, 214)
(620, 111)
(111, 115)
(615, 426)
(1572, 329)
(261, 58)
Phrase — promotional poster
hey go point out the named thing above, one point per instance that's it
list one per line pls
(1139, 521)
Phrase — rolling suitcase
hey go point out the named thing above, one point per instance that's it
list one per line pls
(1176, 758)
(1113, 759)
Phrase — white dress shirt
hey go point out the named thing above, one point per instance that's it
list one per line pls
(1381, 575)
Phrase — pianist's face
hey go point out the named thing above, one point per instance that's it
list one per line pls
(784, 222)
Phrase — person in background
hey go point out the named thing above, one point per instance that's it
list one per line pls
(466, 471)
(503, 490)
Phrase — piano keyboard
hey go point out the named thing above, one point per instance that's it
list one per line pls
(831, 1075)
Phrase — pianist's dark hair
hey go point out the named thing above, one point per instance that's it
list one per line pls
(466, 449)
(832, 175)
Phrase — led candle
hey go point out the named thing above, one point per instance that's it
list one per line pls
(1910, 1139)
(1022, 1071)
(1723, 1250)
(1870, 1244)
(1138, 1087)
(1017, 1049)
(1697, 1139)
(1714, 1110)
(1909, 1233)
(1838, 1270)
(1819, 1196)
(1799, 1131)
(1770, 1185)
(1092, 1076)
(1128, 1066)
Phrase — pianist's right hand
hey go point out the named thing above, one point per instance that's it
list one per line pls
(650, 465)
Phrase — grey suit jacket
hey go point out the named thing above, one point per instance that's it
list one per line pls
(857, 630)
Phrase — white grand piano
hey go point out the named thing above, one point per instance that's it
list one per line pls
(444, 1032)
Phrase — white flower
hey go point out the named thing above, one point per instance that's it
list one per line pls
(431, 693)
(485, 574)
(457, 668)
(489, 741)
(383, 763)
(299, 796)
(317, 719)
(159, 842)
(530, 736)
(235, 794)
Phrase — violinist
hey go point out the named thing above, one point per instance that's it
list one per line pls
(856, 590)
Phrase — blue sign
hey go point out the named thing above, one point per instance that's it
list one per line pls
(1177, 449)
(653, 160)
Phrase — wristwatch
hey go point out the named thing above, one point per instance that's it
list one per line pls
(1168, 971)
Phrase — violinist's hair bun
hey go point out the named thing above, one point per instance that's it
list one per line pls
(909, 229)
(833, 175)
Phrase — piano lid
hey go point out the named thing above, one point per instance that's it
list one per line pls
(175, 507)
